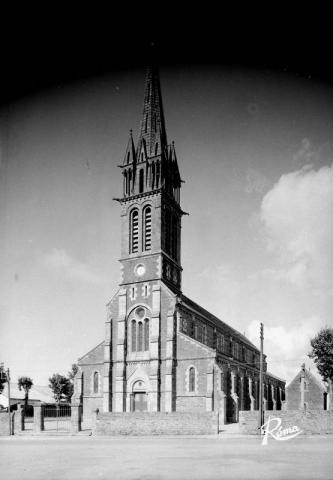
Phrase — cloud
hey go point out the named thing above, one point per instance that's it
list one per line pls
(284, 354)
(297, 214)
(60, 261)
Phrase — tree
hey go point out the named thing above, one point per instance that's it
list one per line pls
(25, 383)
(60, 386)
(322, 354)
(73, 371)
(71, 375)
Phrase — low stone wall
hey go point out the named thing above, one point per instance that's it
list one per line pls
(156, 423)
(4, 423)
(310, 422)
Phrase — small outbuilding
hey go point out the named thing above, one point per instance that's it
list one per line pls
(306, 392)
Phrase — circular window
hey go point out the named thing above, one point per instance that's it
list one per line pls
(140, 270)
(140, 312)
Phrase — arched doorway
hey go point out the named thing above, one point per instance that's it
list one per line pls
(139, 397)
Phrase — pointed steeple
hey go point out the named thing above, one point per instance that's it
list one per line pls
(152, 165)
(152, 138)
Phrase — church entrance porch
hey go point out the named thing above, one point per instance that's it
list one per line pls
(139, 397)
(139, 402)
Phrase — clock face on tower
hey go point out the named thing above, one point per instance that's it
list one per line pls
(140, 270)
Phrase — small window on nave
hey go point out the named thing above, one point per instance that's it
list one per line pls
(191, 379)
(96, 382)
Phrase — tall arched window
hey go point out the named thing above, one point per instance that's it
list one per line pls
(138, 328)
(141, 181)
(146, 334)
(134, 231)
(133, 335)
(191, 380)
(156, 148)
(146, 228)
(96, 382)
(140, 337)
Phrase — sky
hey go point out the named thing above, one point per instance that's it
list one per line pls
(254, 147)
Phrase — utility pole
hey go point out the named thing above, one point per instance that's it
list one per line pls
(261, 413)
(9, 418)
(5, 376)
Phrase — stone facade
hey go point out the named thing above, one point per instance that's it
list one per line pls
(163, 352)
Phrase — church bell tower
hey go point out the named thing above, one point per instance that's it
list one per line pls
(151, 213)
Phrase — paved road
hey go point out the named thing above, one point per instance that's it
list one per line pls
(159, 458)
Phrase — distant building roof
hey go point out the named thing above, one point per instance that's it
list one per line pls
(37, 392)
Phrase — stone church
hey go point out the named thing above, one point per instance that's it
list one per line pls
(163, 352)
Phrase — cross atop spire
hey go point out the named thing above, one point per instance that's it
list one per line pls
(152, 135)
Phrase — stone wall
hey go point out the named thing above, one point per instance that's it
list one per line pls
(310, 422)
(4, 423)
(156, 423)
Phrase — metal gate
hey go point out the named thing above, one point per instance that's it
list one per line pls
(28, 417)
(57, 418)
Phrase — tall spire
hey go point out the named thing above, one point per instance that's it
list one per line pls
(152, 138)
(153, 165)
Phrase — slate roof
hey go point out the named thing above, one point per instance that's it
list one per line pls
(190, 304)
